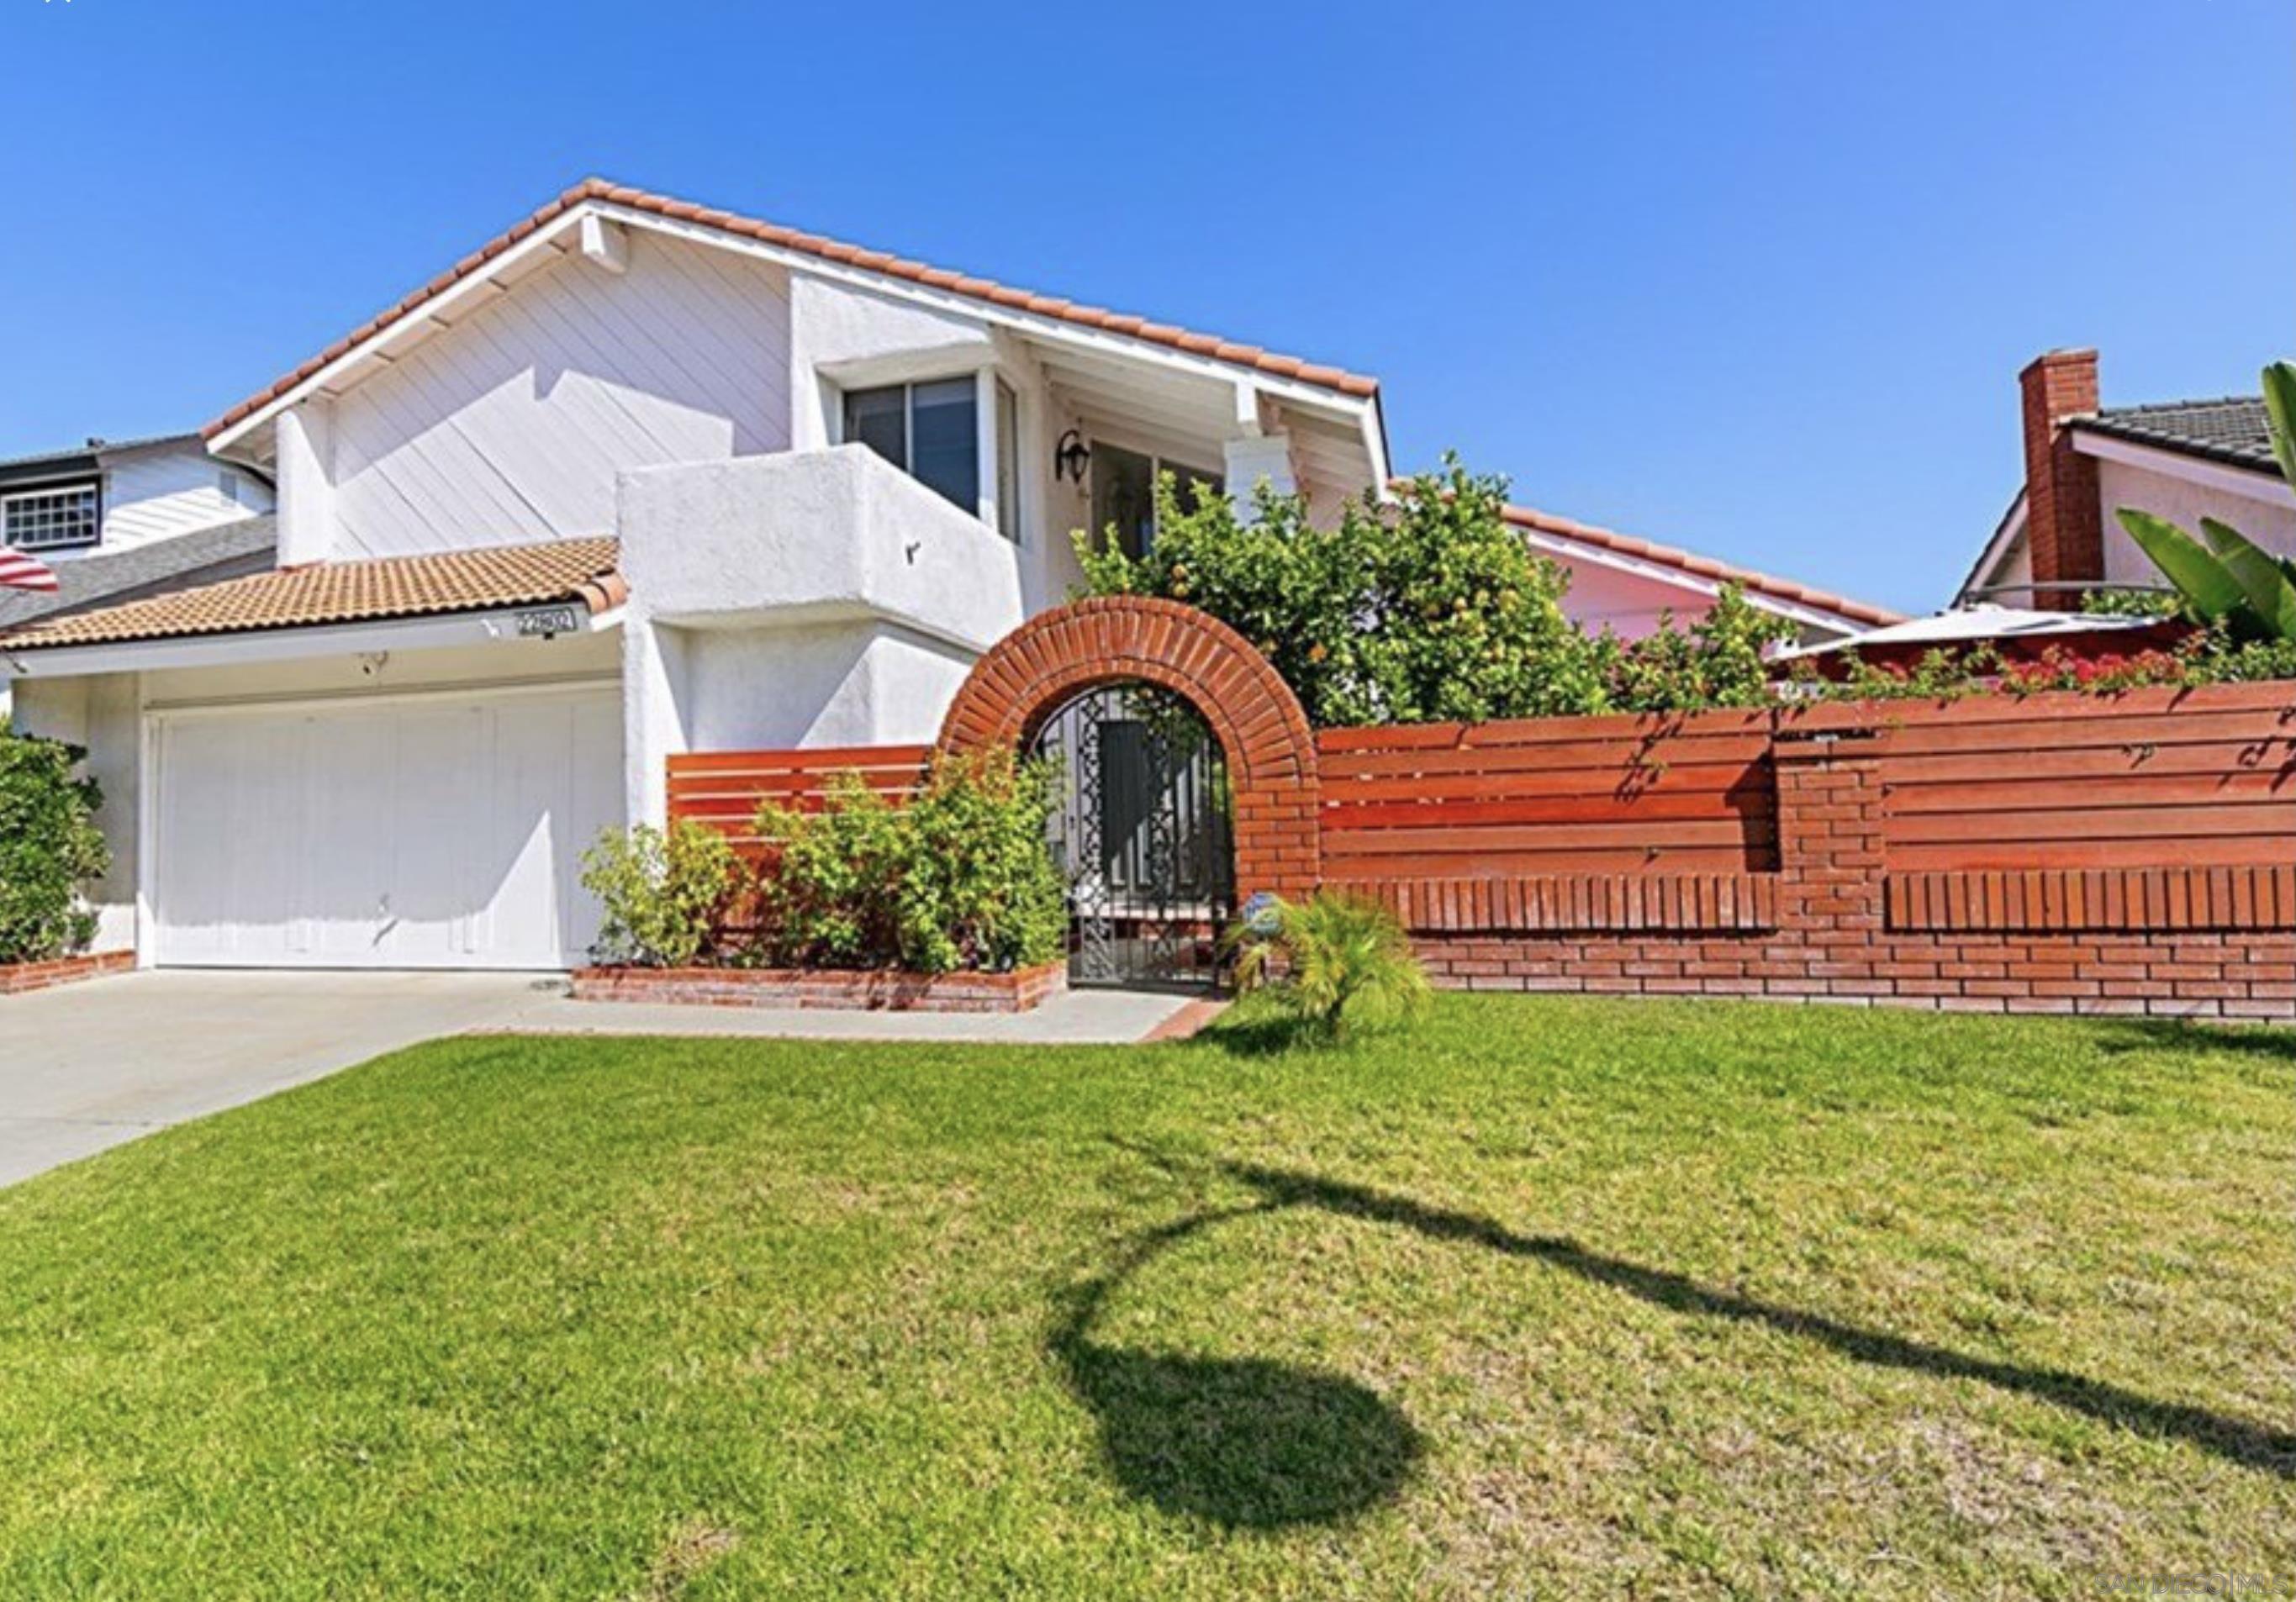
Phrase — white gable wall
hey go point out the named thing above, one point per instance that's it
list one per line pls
(509, 427)
(154, 495)
(2184, 502)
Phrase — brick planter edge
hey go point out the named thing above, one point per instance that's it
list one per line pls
(875, 990)
(21, 978)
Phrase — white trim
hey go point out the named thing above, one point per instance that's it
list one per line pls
(1043, 325)
(1988, 565)
(2259, 484)
(492, 689)
(286, 644)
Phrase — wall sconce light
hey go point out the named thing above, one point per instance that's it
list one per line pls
(1071, 458)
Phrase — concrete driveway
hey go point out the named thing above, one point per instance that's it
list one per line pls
(85, 1066)
(89, 1066)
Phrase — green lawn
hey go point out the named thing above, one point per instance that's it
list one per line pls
(1555, 1298)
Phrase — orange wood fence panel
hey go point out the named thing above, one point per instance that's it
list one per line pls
(725, 789)
(1533, 798)
(2203, 777)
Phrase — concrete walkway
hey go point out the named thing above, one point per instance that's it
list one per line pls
(89, 1066)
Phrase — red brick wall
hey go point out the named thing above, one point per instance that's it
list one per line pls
(2201, 947)
(2063, 521)
(1055, 656)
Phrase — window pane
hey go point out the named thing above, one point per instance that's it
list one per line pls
(1123, 495)
(1008, 461)
(1196, 486)
(877, 418)
(50, 520)
(945, 439)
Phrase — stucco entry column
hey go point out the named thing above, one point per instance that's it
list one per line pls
(1271, 752)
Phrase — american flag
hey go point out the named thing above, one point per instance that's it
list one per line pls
(21, 572)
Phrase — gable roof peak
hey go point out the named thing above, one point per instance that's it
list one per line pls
(600, 191)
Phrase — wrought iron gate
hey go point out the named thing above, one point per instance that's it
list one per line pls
(1144, 835)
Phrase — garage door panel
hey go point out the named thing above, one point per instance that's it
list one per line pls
(441, 833)
(340, 881)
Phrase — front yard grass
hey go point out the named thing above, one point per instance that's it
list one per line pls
(1552, 1298)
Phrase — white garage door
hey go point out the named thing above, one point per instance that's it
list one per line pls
(431, 833)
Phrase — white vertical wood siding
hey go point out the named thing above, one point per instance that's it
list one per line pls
(509, 427)
(152, 495)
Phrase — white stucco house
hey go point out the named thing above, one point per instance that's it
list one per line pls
(638, 477)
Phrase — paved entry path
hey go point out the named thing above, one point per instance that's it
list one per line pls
(84, 1067)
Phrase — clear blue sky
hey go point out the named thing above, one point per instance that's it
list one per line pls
(1756, 278)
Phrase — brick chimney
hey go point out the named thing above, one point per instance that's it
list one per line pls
(2063, 526)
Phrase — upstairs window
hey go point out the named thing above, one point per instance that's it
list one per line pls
(930, 431)
(50, 520)
(1123, 492)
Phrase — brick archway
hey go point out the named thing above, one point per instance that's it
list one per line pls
(1271, 752)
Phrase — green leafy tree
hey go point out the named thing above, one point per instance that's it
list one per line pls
(1427, 607)
(2224, 578)
(50, 848)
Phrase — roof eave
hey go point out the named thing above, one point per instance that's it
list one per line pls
(475, 625)
(1290, 378)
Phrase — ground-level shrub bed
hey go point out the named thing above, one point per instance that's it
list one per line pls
(1552, 1297)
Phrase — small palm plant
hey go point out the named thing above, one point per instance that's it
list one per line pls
(2229, 583)
(1335, 959)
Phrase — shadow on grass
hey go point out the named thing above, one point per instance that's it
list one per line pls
(2276, 1042)
(1266, 1031)
(1246, 1443)
(2238, 1441)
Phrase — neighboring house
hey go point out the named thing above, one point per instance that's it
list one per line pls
(2183, 460)
(120, 521)
(640, 478)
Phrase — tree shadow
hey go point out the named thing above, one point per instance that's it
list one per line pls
(2238, 1441)
(1245, 1442)
(2276, 1042)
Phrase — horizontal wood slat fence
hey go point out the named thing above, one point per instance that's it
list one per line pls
(2058, 851)
(725, 789)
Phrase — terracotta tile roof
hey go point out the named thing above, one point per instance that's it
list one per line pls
(1703, 566)
(826, 249)
(354, 592)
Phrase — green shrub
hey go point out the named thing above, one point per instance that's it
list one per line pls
(829, 894)
(981, 890)
(1335, 960)
(958, 877)
(50, 848)
(665, 893)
